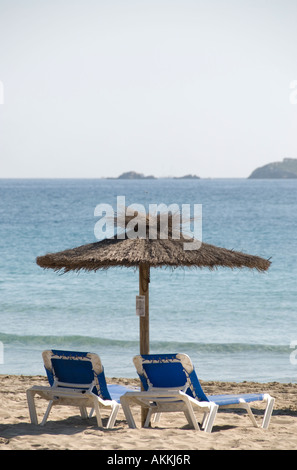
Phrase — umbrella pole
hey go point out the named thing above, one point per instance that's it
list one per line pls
(144, 279)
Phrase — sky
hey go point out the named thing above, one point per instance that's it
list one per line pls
(94, 88)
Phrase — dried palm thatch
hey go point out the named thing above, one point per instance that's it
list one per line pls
(156, 253)
(165, 250)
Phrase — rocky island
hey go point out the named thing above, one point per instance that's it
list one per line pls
(187, 177)
(285, 169)
(133, 175)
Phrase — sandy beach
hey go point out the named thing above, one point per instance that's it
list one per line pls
(65, 430)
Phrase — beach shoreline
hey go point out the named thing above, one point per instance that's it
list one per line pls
(65, 430)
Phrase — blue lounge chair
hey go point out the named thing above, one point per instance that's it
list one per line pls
(76, 379)
(170, 384)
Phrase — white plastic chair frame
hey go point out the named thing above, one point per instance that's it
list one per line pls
(158, 400)
(79, 395)
(71, 395)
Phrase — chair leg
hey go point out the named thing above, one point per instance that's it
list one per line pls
(127, 412)
(247, 407)
(113, 415)
(98, 414)
(49, 407)
(268, 412)
(191, 418)
(148, 418)
(32, 407)
(210, 417)
(204, 419)
(83, 412)
(157, 417)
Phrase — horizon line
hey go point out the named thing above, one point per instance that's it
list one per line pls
(115, 178)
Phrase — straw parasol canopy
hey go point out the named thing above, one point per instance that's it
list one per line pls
(156, 253)
(145, 253)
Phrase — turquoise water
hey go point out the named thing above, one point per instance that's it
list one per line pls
(235, 324)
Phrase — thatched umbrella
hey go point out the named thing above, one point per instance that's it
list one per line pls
(144, 253)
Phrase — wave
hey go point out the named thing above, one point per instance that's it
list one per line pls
(62, 341)
(89, 342)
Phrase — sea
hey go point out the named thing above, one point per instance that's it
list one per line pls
(236, 325)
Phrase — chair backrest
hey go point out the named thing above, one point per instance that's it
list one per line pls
(73, 367)
(169, 371)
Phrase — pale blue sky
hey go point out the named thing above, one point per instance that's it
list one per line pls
(94, 88)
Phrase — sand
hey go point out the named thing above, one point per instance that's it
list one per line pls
(65, 430)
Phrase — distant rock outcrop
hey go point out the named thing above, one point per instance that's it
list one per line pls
(187, 177)
(283, 170)
(132, 175)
